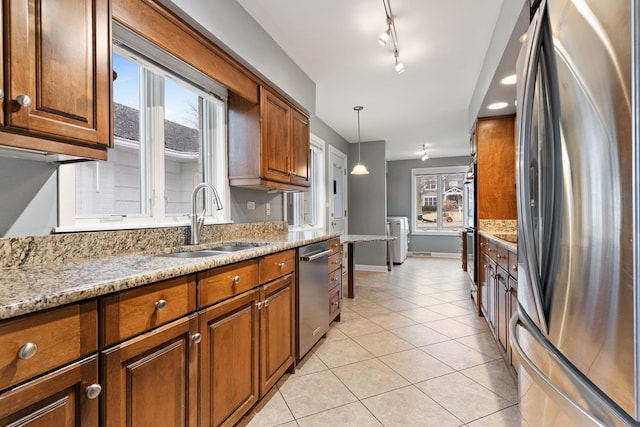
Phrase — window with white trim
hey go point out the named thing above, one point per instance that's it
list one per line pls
(169, 136)
(436, 200)
(306, 210)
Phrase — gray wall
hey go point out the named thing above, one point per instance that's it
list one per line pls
(235, 31)
(28, 197)
(368, 201)
(399, 201)
(240, 213)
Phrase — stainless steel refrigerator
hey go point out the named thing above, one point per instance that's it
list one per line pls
(575, 331)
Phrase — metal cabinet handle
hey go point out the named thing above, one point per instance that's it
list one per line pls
(281, 265)
(235, 279)
(259, 305)
(514, 267)
(93, 391)
(196, 338)
(27, 351)
(1, 94)
(266, 302)
(161, 304)
(23, 100)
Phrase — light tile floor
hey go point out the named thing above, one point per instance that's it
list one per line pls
(409, 351)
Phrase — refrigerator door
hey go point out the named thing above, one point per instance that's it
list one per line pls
(576, 282)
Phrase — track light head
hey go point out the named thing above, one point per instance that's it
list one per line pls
(384, 37)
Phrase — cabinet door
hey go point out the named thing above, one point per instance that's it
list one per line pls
(483, 284)
(277, 345)
(300, 149)
(229, 360)
(502, 307)
(491, 292)
(275, 138)
(64, 398)
(60, 59)
(151, 380)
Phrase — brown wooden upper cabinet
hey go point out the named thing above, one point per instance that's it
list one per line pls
(268, 144)
(56, 90)
(496, 176)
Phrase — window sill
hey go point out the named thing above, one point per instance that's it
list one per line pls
(437, 233)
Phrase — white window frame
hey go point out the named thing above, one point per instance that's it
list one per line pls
(415, 172)
(154, 215)
(318, 178)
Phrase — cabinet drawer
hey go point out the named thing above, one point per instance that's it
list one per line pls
(335, 278)
(335, 261)
(276, 265)
(484, 244)
(221, 283)
(513, 264)
(492, 248)
(335, 301)
(38, 342)
(502, 257)
(131, 312)
(334, 245)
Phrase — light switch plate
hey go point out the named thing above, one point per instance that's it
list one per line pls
(267, 208)
(251, 206)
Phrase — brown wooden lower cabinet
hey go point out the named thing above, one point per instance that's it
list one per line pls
(151, 380)
(498, 289)
(66, 397)
(229, 359)
(277, 325)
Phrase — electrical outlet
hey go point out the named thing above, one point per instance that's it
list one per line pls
(267, 208)
(251, 206)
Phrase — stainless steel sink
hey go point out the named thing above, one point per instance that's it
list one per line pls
(232, 248)
(194, 254)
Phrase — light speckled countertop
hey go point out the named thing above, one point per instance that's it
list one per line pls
(31, 288)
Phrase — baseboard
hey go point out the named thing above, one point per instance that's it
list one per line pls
(435, 254)
(374, 268)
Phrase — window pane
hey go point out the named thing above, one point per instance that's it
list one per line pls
(183, 168)
(452, 214)
(113, 187)
(427, 197)
(309, 198)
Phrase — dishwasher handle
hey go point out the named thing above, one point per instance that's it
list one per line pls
(316, 256)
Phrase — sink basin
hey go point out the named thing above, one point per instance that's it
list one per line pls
(193, 254)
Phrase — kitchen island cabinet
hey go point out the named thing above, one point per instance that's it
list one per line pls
(56, 95)
(269, 143)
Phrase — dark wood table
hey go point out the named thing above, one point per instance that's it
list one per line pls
(350, 240)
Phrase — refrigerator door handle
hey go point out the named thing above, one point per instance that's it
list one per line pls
(574, 410)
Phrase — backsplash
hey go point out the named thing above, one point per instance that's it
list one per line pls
(59, 248)
(493, 226)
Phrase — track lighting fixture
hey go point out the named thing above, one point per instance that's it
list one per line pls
(384, 37)
(425, 156)
(359, 168)
(390, 33)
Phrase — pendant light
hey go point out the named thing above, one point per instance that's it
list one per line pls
(359, 168)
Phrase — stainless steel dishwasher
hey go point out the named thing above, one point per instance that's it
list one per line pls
(312, 312)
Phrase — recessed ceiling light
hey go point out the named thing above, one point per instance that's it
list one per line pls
(509, 80)
(497, 105)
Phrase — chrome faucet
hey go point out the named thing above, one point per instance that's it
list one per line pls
(196, 222)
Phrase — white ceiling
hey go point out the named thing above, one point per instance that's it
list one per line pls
(442, 43)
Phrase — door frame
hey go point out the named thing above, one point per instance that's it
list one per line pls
(338, 157)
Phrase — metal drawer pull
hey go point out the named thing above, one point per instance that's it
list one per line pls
(259, 305)
(1, 94)
(27, 351)
(23, 100)
(93, 391)
(266, 302)
(235, 279)
(514, 267)
(196, 338)
(281, 265)
(161, 304)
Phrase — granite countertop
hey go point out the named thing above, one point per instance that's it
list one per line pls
(360, 238)
(32, 288)
(506, 238)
